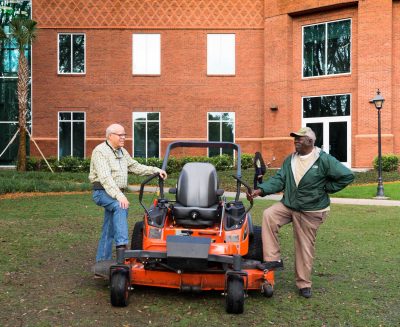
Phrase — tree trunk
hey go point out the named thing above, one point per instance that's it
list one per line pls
(22, 92)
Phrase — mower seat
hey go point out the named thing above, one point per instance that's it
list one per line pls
(197, 195)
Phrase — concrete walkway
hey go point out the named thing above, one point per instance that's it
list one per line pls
(277, 197)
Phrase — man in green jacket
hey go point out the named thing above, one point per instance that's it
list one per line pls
(307, 177)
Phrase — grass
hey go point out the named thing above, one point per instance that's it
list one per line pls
(48, 245)
(12, 182)
(392, 190)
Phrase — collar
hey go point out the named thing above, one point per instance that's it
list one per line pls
(117, 152)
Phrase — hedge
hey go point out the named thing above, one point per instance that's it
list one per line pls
(74, 164)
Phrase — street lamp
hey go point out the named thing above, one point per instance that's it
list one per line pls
(378, 102)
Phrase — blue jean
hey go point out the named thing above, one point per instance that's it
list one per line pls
(115, 225)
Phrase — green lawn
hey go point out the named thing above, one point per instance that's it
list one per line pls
(48, 245)
(392, 190)
(12, 182)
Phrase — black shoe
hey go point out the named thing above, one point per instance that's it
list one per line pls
(305, 292)
(269, 265)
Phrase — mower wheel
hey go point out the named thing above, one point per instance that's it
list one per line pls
(137, 236)
(267, 289)
(255, 250)
(119, 289)
(234, 301)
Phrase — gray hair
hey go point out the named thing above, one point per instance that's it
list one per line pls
(112, 129)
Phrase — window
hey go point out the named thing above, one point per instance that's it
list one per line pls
(10, 54)
(146, 54)
(326, 48)
(71, 134)
(221, 128)
(329, 117)
(71, 53)
(221, 54)
(146, 134)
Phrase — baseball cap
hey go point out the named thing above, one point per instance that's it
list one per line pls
(304, 131)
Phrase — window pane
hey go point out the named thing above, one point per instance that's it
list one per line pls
(139, 138)
(8, 100)
(64, 139)
(221, 54)
(78, 116)
(153, 140)
(228, 116)
(326, 106)
(64, 53)
(214, 135)
(146, 53)
(153, 116)
(139, 116)
(153, 54)
(79, 140)
(227, 136)
(78, 53)
(7, 132)
(339, 37)
(214, 116)
(338, 140)
(9, 55)
(65, 116)
(314, 50)
(318, 129)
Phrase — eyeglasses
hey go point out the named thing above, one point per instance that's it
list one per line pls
(120, 135)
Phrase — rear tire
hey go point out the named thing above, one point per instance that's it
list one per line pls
(234, 301)
(119, 289)
(137, 236)
(255, 245)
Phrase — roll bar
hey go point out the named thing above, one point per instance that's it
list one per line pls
(204, 144)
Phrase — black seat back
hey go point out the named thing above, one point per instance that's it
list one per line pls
(197, 185)
(197, 201)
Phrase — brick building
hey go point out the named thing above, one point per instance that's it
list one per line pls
(248, 71)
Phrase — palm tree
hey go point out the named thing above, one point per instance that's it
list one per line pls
(23, 30)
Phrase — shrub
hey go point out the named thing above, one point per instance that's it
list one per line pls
(247, 160)
(390, 162)
(71, 164)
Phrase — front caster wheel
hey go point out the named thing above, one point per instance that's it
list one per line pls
(234, 301)
(120, 289)
(267, 290)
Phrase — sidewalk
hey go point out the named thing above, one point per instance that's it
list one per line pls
(277, 197)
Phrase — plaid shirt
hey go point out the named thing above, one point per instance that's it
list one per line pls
(110, 167)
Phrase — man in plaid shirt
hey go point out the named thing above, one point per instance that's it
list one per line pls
(109, 168)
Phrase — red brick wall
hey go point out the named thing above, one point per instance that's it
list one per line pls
(268, 70)
(183, 94)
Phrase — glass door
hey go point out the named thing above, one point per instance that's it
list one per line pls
(329, 117)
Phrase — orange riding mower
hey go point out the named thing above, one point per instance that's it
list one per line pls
(198, 241)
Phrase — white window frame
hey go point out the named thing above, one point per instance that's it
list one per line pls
(72, 54)
(326, 47)
(221, 54)
(72, 130)
(220, 129)
(146, 54)
(326, 120)
(146, 121)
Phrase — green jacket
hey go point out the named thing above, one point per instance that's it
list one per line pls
(326, 175)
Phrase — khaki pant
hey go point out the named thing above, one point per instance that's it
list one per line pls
(305, 226)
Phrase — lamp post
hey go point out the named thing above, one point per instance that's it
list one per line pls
(378, 102)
